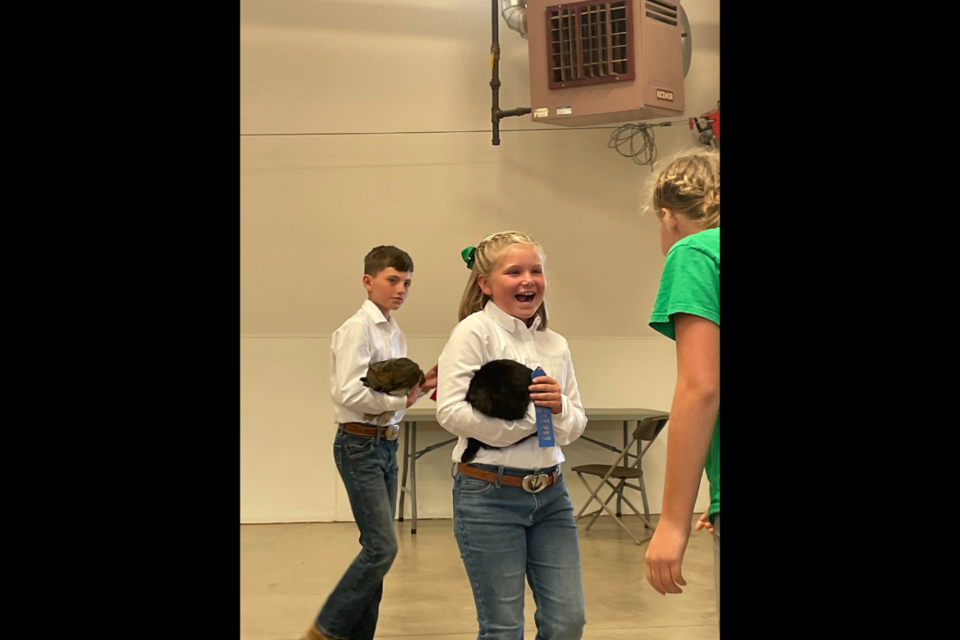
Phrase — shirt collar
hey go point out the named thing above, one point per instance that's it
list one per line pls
(506, 320)
(376, 315)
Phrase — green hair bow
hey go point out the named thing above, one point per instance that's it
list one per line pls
(469, 253)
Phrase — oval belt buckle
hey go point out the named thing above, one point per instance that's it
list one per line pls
(535, 483)
(393, 433)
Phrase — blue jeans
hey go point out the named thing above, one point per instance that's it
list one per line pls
(505, 535)
(368, 466)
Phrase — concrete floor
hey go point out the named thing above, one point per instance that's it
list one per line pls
(287, 571)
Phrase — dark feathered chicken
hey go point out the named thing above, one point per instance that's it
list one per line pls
(396, 377)
(499, 389)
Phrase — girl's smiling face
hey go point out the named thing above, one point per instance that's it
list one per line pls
(517, 283)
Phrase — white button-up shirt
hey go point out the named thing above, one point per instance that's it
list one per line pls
(492, 334)
(366, 337)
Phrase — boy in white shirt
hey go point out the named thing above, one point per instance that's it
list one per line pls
(366, 455)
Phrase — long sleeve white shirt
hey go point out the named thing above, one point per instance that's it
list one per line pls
(492, 334)
(366, 337)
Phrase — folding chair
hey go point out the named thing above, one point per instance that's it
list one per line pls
(647, 431)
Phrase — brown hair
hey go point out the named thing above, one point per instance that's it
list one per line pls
(485, 259)
(690, 186)
(385, 256)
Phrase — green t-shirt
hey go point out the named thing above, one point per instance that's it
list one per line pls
(691, 284)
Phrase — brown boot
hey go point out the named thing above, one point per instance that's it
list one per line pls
(313, 634)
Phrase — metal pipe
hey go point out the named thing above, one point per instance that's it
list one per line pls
(495, 113)
(495, 80)
(515, 15)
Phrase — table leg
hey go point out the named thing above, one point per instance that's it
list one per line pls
(413, 474)
(627, 461)
(406, 459)
(643, 488)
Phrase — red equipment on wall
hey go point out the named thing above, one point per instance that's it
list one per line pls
(710, 131)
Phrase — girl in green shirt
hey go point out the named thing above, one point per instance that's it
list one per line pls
(686, 200)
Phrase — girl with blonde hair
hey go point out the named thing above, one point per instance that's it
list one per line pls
(513, 519)
(686, 200)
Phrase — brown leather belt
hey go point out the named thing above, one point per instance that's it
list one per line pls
(533, 483)
(391, 432)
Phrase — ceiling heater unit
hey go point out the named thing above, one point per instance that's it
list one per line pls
(602, 62)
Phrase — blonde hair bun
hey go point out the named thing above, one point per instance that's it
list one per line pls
(690, 186)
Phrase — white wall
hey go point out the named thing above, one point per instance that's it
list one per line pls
(312, 206)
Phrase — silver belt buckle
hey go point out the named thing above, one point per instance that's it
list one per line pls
(393, 432)
(535, 483)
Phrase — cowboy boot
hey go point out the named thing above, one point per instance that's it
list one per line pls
(313, 634)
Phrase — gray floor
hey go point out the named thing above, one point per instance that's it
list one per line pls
(287, 570)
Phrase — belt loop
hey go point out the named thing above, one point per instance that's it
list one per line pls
(499, 475)
(377, 441)
(340, 428)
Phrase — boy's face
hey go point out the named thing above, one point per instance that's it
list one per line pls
(388, 289)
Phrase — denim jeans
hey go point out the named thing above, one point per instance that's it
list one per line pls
(368, 466)
(506, 534)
